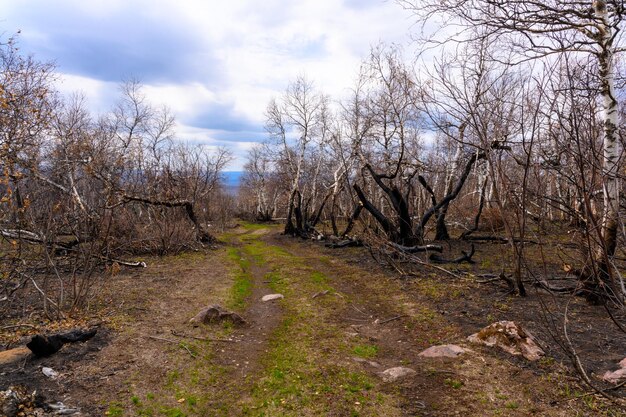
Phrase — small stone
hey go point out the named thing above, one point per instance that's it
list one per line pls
(443, 351)
(49, 372)
(394, 374)
(272, 297)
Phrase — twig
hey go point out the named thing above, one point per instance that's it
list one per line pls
(358, 310)
(18, 325)
(172, 341)
(204, 339)
(319, 294)
(393, 318)
(586, 394)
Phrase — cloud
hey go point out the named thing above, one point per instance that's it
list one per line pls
(216, 64)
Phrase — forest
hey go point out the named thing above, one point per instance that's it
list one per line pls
(473, 188)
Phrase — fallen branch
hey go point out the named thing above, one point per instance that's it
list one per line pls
(498, 239)
(466, 257)
(139, 264)
(172, 341)
(344, 244)
(204, 339)
(319, 294)
(13, 326)
(415, 249)
(393, 318)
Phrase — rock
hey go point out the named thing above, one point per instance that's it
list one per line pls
(510, 337)
(13, 355)
(49, 372)
(272, 297)
(394, 374)
(443, 351)
(615, 377)
(216, 314)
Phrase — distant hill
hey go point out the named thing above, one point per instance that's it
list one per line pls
(231, 181)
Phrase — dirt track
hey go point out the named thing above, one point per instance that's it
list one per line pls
(301, 356)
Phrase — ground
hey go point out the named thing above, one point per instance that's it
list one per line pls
(319, 351)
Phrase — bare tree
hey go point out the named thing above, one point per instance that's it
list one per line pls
(298, 123)
(535, 30)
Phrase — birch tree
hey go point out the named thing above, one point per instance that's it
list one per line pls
(295, 122)
(536, 30)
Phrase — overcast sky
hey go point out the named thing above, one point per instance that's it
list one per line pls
(216, 64)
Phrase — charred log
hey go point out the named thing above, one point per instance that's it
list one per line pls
(348, 243)
(46, 345)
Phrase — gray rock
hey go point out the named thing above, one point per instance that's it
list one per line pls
(49, 372)
(272, 297)
(443, 351)
(394, 374)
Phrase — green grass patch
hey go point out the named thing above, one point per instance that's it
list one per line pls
(243, 281)
(365, 351)
(318, 277)
(254, 226)
(453, 383)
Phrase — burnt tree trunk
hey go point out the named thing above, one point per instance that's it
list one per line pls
(353, 218)
(438, 208)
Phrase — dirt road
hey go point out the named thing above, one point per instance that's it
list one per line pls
(319, 351)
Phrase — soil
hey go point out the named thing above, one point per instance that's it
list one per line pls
(146, 359)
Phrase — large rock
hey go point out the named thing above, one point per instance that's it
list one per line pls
(443, 351)
(394, 374)
(216, 314)
(510, 337)
(615, 377)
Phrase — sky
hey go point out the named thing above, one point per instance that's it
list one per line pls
(215, 64)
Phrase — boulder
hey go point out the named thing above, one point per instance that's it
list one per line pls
(216, 314)
(443, 351)
(510, 337)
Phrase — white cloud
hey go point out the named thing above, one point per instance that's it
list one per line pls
(239, 54)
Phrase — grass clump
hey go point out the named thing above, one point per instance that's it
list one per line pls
(365, 351)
